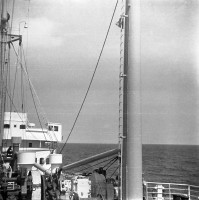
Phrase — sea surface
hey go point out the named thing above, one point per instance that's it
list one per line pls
(161, 163)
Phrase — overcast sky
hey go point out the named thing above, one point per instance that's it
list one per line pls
(64, 39)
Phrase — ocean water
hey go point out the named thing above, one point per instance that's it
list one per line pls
(161, 163)
(171, 163)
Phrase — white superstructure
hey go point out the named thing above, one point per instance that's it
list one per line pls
(17, 125)
(42, 141)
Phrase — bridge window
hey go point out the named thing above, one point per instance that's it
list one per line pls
(55, 128)
(42, 161)
(47, 161)
(6, 125)
(50, 128)
(30, 144)
(22, 126)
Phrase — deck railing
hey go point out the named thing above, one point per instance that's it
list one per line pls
(170, 191)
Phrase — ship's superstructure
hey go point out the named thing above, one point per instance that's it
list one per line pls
(26, 152)
(17, 125)
(42, 141)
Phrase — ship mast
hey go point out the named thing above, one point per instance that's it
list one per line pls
(125, 109)
(132, 142)
(3, 27)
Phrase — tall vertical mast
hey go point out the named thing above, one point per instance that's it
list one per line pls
(134, 139)
(125, 108)
(3, 28)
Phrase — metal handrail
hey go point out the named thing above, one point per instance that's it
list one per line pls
(167, 191)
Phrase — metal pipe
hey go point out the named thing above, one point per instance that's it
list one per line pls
(46, 171)
(134, 139)
(91, 159)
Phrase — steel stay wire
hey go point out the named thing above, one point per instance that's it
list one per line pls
(114, 171)
(11, 97)
(87, 91)
(111, 159)
(15, 106)
(111, 163)
(31, 90)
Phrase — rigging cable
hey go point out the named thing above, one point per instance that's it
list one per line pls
(91, 166)
(17, 112)
(22, 85)
(34, 91)
(11, 100)
(114, 171)
(7, 71)
(15, 78)
(12, 103)
(6, 56)
(111, 163)
(31, 90)
(91, 78)
(8, 85)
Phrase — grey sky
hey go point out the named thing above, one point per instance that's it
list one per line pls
(64, 41)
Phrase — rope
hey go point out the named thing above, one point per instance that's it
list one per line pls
(30, 82)
(8, 85)
(114, 171)
(11, 100)
(91, 78)
(15, 106)
(7, 71)
(91, 166)
(13, 92)
(31, 90)
(113, 161)
(11, 97)
(22, 86)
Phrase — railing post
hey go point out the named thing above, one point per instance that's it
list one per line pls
(146, 191)
(189, 192)
(169, 191)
